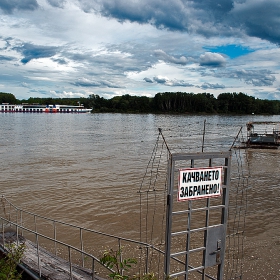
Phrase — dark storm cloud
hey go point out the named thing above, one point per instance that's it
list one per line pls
(218, 8)
(206, 17)
(212, 60)
(162, 14)
(30, 51)
(254, 77)
(8, 6)
(259, 18)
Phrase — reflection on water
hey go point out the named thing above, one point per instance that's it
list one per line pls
(86, 170)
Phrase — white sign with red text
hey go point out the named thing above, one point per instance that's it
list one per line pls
(196, 183)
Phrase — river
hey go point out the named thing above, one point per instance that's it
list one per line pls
(86, 169)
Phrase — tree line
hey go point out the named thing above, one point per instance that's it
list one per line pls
(167, 102)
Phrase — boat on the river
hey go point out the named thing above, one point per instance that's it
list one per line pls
(263, 138)
(38, 108)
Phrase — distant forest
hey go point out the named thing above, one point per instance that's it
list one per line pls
(167, 102)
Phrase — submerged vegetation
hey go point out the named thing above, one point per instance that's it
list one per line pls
(167, 102)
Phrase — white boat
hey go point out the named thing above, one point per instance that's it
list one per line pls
(37, 108)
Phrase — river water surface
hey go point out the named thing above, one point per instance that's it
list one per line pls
(86, 169)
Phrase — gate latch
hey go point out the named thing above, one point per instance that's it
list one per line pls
(218, 251)
(215, 244)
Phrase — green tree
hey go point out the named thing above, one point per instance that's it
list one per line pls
(7, 98)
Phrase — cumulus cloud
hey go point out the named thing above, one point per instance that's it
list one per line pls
(8, 6)
(148, 80)
(257, 78)
(212, 86)
(84, 82)
(161, 80)
(67, 94)
(254, 77)
(60, 61)
(24, 84)
(179, 83)
(272, 95)
(168, 82)
(212, 60)
(170, 59)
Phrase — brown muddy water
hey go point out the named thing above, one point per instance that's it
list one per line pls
(86, 170)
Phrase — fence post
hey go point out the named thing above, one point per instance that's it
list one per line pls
(39, 262)
(82, 247)
(35, 223)
(93, 273)
(147, 260)
(54, 236)
(10, 214)
(21, 222)
(3, 235)
(120, 251)
(70, 262)
(17, 226)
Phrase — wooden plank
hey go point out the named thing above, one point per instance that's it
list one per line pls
(52, 266)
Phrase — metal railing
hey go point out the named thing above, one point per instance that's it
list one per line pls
(28, 224)
(37, 235)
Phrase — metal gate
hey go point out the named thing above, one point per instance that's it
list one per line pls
(196, 217)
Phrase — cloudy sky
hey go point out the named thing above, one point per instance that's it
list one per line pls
(72, 48)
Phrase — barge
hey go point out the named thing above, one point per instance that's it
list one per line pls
(37, 108)
(263, 138)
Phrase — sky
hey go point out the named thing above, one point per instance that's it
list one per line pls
(75, 48)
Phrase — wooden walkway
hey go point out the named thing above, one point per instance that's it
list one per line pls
(52, 267)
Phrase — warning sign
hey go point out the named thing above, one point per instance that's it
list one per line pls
(195, 183)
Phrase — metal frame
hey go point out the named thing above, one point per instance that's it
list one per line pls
(210, 232)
